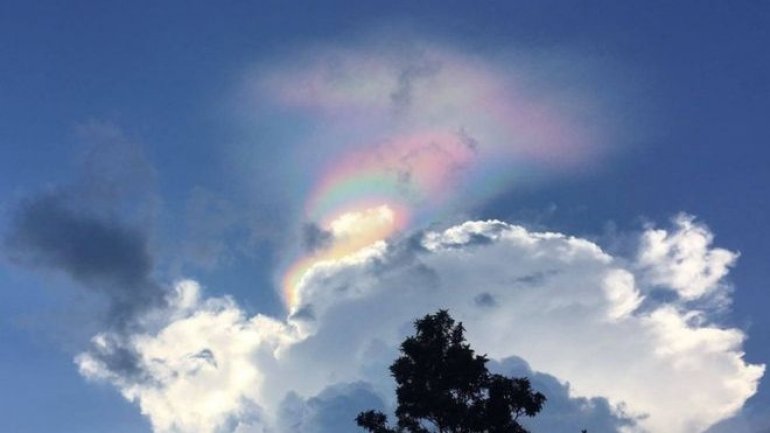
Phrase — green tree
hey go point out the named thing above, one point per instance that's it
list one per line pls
(444, 387)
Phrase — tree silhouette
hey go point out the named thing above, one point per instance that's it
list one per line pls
(444, 387)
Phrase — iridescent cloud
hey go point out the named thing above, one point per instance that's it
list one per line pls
(423, 130)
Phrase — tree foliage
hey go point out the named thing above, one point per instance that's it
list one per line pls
(444, 387)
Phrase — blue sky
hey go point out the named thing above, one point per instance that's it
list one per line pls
(143, 120)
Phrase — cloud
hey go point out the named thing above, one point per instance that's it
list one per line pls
(201, 364)
(683, 260)
(563, 412)
(95, 228)
(407, 120)
(331, 411)
(334, 408)
(105, 255)
(567, 307)
(315, 238)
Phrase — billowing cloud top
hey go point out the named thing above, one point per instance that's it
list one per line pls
(560, 302)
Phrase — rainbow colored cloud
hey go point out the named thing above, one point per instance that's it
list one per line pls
(419, 130)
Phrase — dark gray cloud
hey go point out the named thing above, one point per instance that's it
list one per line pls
(305, 313)
(46, 232)
(485, 300)
(315, 238)
(95, 229)
(468, 140)
(207, 356)
(334, 409)
(102, 254)
(119, 359)
(331, 411)
(420, 68)
(562, 413)
(536, 278)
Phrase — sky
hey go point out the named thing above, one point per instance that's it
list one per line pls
(225, 217)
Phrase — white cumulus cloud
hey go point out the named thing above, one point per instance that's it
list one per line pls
(561, 303)
(684, 260)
